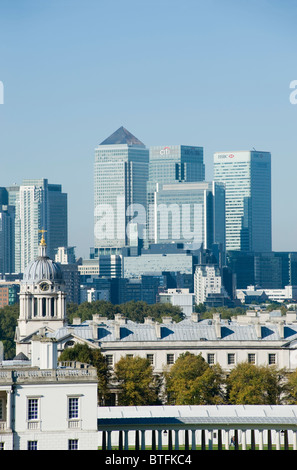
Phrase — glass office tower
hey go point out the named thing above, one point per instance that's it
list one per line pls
(247, 178)
(7, 216)
(38, 205)
(176, 163)
(120, 177)
(189, 213)
(172, 164)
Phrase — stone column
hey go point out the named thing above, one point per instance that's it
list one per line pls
(260, 439)
(210, 439)
(294, 440)
(243, 439)
(277, 437)
(48, 307)
(227, 439)
(39, 308)
(8, 409)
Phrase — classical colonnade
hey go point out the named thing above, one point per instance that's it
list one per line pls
(156, 438)
(195, 427)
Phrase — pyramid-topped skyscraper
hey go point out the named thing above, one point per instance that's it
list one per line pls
(120, 176)
(123, 137)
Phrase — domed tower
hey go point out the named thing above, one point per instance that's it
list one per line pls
(42, 299)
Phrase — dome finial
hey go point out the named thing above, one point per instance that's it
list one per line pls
(42, 244)
(42, 241)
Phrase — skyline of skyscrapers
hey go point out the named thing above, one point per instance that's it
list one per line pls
(233, 211)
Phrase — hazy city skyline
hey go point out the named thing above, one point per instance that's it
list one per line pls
(210, 74)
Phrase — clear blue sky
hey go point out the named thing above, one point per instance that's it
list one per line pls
(212, 73)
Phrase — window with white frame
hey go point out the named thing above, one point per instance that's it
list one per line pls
(210, 358)
(73, 444)
(32, 445)
(231, 358)
(109, 359)
(73, 407)
(33, 409)
(271, 358)
(252, 358)
(150, 358)
(170, 359)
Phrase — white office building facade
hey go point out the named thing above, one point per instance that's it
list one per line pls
(207, 281)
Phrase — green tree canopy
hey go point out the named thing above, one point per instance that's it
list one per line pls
(291, 388)
(255, 385)
(82, 353)
(225, 312)
(137, 383)
(134, 311)
(8, 322)
(192, 381)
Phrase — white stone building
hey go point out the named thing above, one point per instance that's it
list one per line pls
(45, 405)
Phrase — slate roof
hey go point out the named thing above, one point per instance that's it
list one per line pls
(184, 331)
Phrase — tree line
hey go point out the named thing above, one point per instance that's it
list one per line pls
(189, 381)
(135, 311)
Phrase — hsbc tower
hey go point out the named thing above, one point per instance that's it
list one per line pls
(247, 179)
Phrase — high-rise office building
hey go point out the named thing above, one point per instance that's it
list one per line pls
(6, 234)
(247, 178)
(192, 213)
(120, 177)
(38, 205)
(171, 164)
(58, 218)
(176, 163)
(271, 270)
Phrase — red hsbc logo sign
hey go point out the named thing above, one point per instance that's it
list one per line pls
(231, 155)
